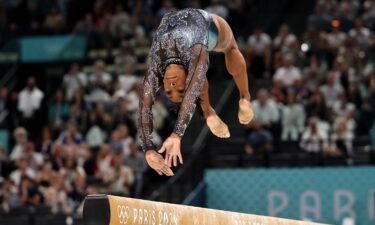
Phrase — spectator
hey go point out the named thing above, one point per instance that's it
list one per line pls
(4, 112)
(265, 110)
(74, 81)
(285, 41)
(95, 135)
(57, 156)
(78, 192)
(331, 90)
(287, 74)
(103, 161)
(126, 56)
(368, 16)
(46, 176)
(45, 145)
(23, 169)
(360, 34)
(344, 111)
(20, 135)
(119, 179)
(259, 142)
(341, 143)
(317, 107)
(100, 78)
(119, 25)
(218, 8)
(4, 164)
(35, 158)
(58, 111)
(116, 143)
(29, 104)
(293, 119)
(100, 82)
(312, 74)
(167, 6)
(54, 21)
(87, 28)
(70, 133)
(319, 18)
(314, 141)
(259, 52)
(8, 195)
(57, 198)
(336, 37)
(125, 138)
(70, 172)
(136, 161)
(127, 81)
(78, 110)
(121, 114)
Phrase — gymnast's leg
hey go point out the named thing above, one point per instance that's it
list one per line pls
(236, 66)
(216, 125)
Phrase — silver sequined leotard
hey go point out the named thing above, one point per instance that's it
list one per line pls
(181, 38)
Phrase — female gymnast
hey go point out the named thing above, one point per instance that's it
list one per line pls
(178, 62)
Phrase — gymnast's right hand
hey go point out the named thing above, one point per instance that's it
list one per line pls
(156, 162)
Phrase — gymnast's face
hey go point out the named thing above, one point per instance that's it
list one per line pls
(174, 82)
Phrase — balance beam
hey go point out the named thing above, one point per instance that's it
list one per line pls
(113, 210)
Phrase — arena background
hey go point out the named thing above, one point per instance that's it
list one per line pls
(307, 155)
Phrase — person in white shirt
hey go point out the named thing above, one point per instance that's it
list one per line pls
(287, 74)
(23, 169)
(127, 80)
(30, 99)
(285, 41)
(360, 34)
(74, 80)
(216, 7)
(292, 118)
(35, 159)
(265, 109)
(314, 141)
(20, 135)
(125, 138)
(336, 38)
(100, 78)
(331, 90)
(259, 52)
(100, 83)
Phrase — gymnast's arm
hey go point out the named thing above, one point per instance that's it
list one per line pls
(196, 78)
(151, 83)
(194, 83)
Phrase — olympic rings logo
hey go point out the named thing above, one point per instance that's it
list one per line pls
(123, 213)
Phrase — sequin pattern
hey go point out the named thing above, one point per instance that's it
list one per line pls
(181, 35)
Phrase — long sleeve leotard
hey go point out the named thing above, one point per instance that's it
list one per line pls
(181, 38)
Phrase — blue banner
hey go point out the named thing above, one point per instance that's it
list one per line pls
(52, 48)
(322, 195)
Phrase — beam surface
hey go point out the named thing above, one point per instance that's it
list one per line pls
(113, 210)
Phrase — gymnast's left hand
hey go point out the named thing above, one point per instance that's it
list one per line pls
(171, 147)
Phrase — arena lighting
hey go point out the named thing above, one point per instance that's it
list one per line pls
(113, 210)
(304, 47)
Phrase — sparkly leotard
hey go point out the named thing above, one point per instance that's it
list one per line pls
(182, 38)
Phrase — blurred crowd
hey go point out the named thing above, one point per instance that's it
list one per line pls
(323, 83)
(82, 140)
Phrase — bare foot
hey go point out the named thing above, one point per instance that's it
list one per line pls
(245, 111)
(217, 126)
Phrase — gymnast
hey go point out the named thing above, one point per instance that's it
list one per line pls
(178, 62)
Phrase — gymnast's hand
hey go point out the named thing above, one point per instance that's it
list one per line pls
(156, 162)
(172, 150)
